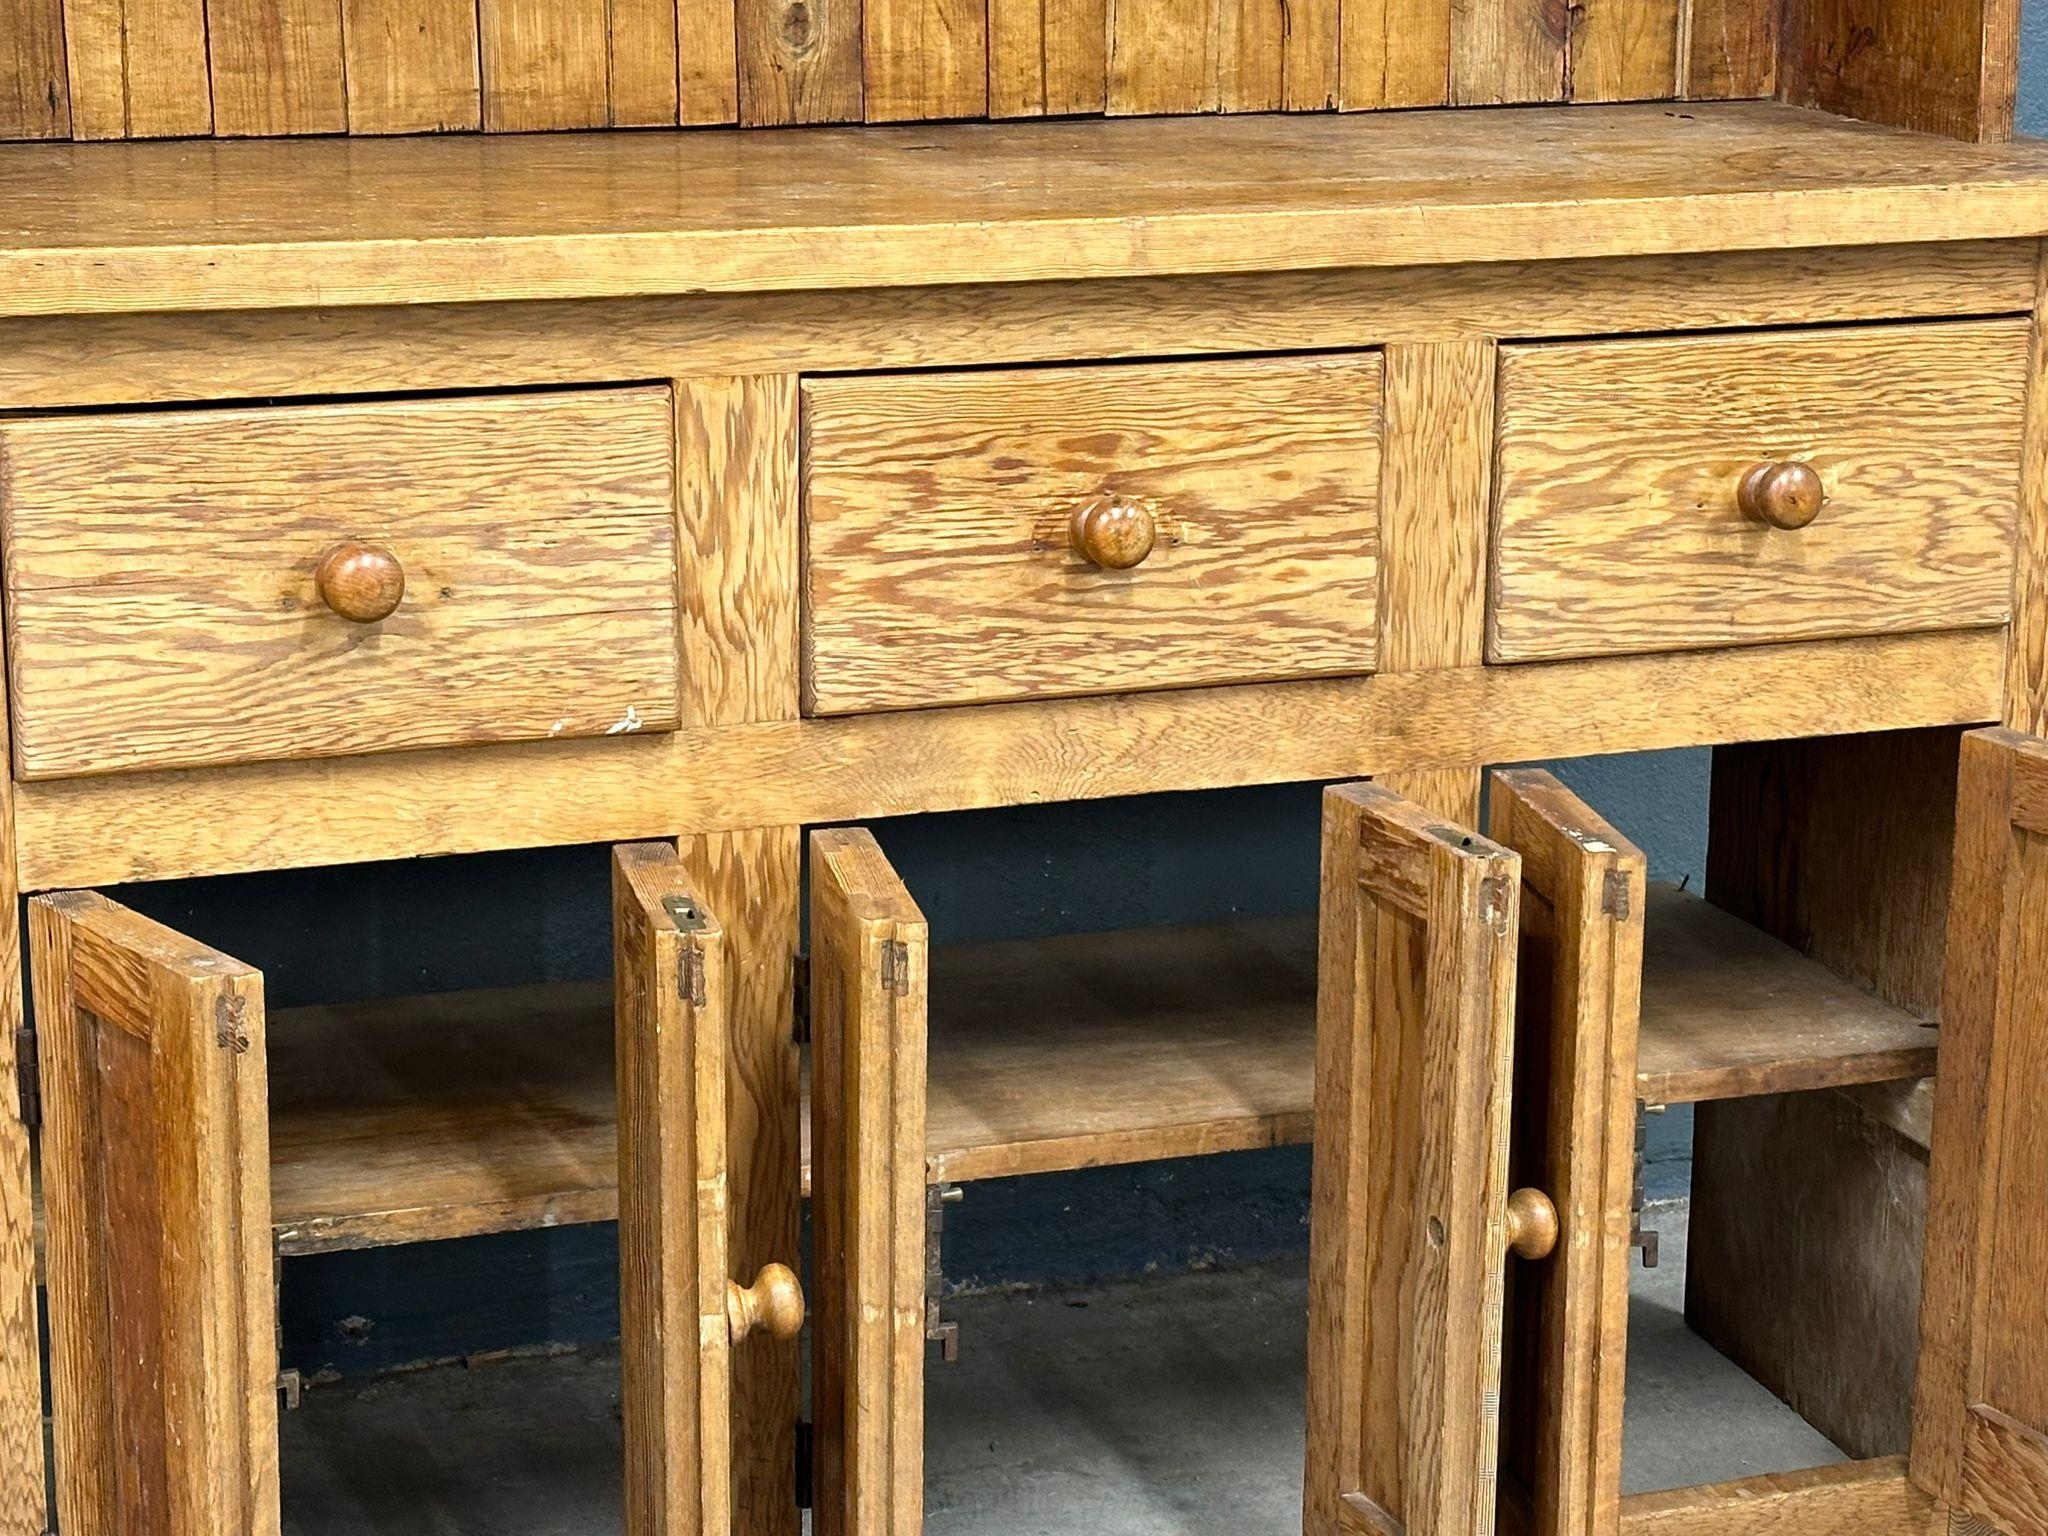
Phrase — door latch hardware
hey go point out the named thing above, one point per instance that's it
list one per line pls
(290, 1389)
(690, 985)
(1615, 894)
(896, 967)
(684, 912)
(938, 1329)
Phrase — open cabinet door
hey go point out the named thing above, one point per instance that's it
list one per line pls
(1410, 1214)
(1578, 1000)
(1980, 1412)
(680, 1312)
(24, 1510)
(156, 1183)
(868, 958)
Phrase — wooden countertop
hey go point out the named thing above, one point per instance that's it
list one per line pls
(199, 225)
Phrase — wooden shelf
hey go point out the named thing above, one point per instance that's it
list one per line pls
(265, 224)
(489, 1111)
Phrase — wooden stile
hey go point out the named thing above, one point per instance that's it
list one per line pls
(156, 1184)
(869, 954)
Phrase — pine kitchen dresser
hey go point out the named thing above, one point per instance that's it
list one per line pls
(438, 427)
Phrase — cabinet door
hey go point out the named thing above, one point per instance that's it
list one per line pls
(680, 1312)
(868, 954)
(1578, 996)
(1410, 1212)
(1980, 1431)
(23, 1507)
(156, 1182)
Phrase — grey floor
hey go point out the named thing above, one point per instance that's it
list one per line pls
(1152, 1408)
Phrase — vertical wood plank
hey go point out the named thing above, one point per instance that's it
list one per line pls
(157, 1192)
(642, 39)
(925, 59)
(1935, 66)
(1311, 65)
(1396, 53)
(544, 64)
(412, 66)
(1251, 54)
(1047, 58)
(1731, 50)
(707, 62)
(670, 986)
(1509, 51)
(1579, 994)
(277, 67)
(2026, 673)
(1625, 50)
(736, 442)
(35, 93)
(23, 1503)
(1163, 56)
(868, 976)
(799, 61)
(137, 68)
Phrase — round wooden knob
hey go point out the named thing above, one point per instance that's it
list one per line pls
(1532, 1224)
(1114, 532)
(1788, 495)
(360, 582)
(774, 1302)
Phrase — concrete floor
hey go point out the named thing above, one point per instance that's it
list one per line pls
(1150, 1408)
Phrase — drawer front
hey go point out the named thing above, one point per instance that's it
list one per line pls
(167, 604)
(1620, 523)
(943, 564)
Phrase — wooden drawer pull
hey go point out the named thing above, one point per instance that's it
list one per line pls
(1532, 1224)
(1788, 495)
(1114, 532)
(774, 1302)
(361, 582)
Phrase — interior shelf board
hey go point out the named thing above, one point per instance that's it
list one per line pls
(477, 1112)
(260, 224)
(1728, 1011)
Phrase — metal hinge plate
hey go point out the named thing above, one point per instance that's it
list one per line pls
(896, 967)
(1616, 893)
(28, 1075)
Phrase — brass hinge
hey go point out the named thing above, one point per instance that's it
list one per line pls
(800, 999)
(28, 1076)
(896, 967)
(1616, 894)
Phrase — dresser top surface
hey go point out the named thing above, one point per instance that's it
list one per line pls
(200, 225)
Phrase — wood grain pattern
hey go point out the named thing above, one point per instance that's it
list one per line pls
(1939, 66)
(670, 990)
(343, 810)
(1407, 1257)
(1803, 1259)
(1396, 53)
(1164, 55)
(642, 214)
(2003, 1476)
(925, 59)
(137, 68)
(938, 569)
(800, 61)
(538, 532)
(1732, 50)
(276, 67)
(544, 64)
(1582, 976)
(707, 62)
(1435, 471)
(1625, 50)
(1616, 521)
(413, 66)
(2026, 693)
(1047, 58)
(642, 46)
(122, 359)
(1848, 1499)
(155, 1170)
(1510, 51)
(24, 1494)
(35, 89)
(868, 979)
(1728, 1032)
(753, 879)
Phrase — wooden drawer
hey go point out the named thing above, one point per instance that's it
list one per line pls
(942, 560)
(1618, 516)
(165, 606)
